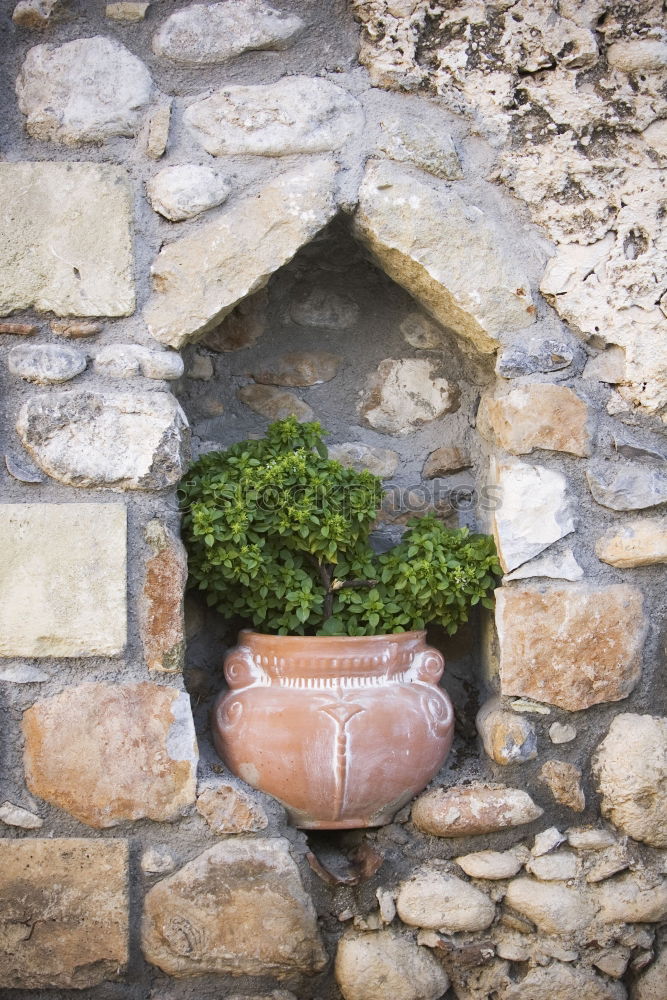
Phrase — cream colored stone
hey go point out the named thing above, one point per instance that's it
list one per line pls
(132, 753)
(533, 512)
(551, 565)
(472, 809)
(62, 579)
(46, 364)
(564, 782)
(185, 190)
(560, 732)
(129, 360)
(590, 838)
(385, 964)
(126, 12)
(564, 982)
(130, 440)
(543, 416)
(381, 462)
(603, 864)
(238, 908)
(229, 808)
(608, 366)
(65, 240)
(415, 227)
(156, 132)
(507, 738)
(613, 961)
(37, 13)
(553, 907)
(198, 279)
(652, 983)
(402, 395)
(63, 912)
(632, 56)
(298, 114)
(13, 815)
(571, 646)
(274, 404)
(87, 90)
(556, 867)
(442, 461)
(415, 131)
(639, 542)
(490, 864)
(157, 860)
(436, 900)
(208, 34)
(632, 898)
(631, 768)
(547, 840)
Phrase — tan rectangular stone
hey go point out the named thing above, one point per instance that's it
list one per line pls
(65, 239)
(62, 579)
(63, 912)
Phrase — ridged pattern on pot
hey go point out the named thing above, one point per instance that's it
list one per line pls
(364, 724)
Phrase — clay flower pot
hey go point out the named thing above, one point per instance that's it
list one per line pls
(343, 731)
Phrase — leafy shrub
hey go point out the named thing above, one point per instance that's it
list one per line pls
(278, 534)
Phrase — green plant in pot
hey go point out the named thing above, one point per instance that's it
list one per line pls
(334, 706)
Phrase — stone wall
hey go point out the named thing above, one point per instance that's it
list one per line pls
(439, 229)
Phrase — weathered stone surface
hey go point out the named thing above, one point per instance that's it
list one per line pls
(298, 114)
(87, 90)
(404, 394)
(299, 369)
(186, 190)
(547, 840)
(632, 897)
(161, 602)
(601, 865)
(573, 646)
(64, 906)
(238, 908)
(274, 404)
(445, 460)
(628, 485)
(381, 462)
(65, 245)
(208, 34)
(421, 332)
(229, 808)
(17, 816)
(413, 131)
(131, 755)
(555, 566)
(534, 511)
(639, 54)
(640, 542)
(200, 367)
(62, 579)
(564, 982)
(631, 768)
(126, 440)
(545, 416)
(126, 12)
(564, 782)
(385, 964)
(156, 132)
(415, 227)
(243, 327)
(18, 329)
(36, 13)
(200, 278)
(553, 908)
(538, 356)
(439, 901)
(128, 360)
(560, 732)
(557, 867)
(613, 961)
(75, 329)
(46, 364)
(157, 860)
(490, 864)
(590, 838)
(317, 306)
(23, 673)
(652, 983)
(507, 738)
(472, 809)
(608, 366)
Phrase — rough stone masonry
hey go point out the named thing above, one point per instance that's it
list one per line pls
(439, 228)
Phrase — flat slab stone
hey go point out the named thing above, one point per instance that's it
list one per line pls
(533, 511)
(200, 278)
(412, 130)
(208, 34)
(88, 90)
(628, 485)
(64, 912)
(551, 417)
(132, 753)
(62, 579)
(134, 441)
(65, 239)
(639, 542)
(415, 227)
(473, 809)
(238, 908)
(46, 364)
(298, 114)
(303, 368)
(572, 646)
(405, 393)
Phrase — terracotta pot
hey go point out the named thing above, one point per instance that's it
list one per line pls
(343, 731)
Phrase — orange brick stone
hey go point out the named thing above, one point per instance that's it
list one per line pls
(545, 416)
(162, 620)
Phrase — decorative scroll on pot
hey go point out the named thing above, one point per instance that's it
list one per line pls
(342, 730)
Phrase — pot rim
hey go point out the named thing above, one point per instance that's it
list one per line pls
(291, 637)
